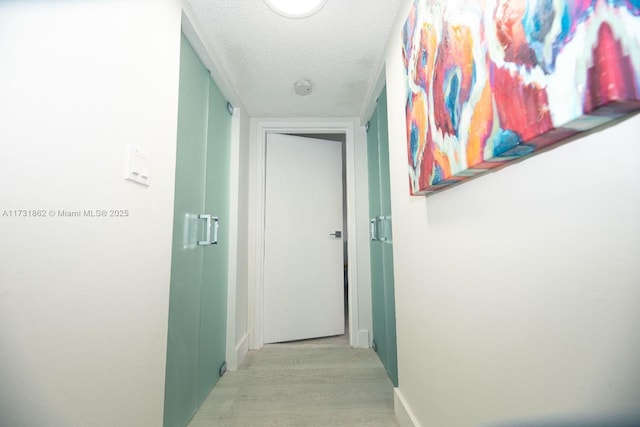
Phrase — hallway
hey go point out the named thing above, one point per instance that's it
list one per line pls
(320, 382)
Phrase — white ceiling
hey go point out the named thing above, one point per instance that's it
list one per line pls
(258, 55)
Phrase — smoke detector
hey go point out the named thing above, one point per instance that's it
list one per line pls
(302, 87)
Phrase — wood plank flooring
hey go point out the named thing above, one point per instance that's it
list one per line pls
(309, 383)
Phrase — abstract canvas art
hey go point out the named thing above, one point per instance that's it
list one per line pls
(490, 82)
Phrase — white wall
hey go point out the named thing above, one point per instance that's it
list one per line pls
(362, 264)
(84, 301)
(243, 237)
(237, 315)
(517, 294)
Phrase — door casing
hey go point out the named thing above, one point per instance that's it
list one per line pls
(359, 332)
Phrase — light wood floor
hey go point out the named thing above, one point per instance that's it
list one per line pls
(309, 383)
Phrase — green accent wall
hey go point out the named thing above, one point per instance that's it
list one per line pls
(198, 294)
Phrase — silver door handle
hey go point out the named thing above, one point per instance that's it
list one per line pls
(386, 229)
(210, 219)
(382, 236)
(207, 239)
(216, 225)
(373, 229)
(337, 234)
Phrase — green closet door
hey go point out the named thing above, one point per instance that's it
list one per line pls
(181, 399)
(382, 286)
(387, 244)
(198, 296)
(213, 299)
(377, 271)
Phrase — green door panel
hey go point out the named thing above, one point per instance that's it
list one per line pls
(373, 154)
(198, 295)
(213, 298)
(377, 271)
(382, 281)
(390, 312)
(387, 245)
(186, 263)
(383, 159)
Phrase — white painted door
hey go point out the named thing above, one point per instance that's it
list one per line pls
(303, 265)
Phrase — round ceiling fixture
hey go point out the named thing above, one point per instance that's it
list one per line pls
(295, 8)
(302, 87)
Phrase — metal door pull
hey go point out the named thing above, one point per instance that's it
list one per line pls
(373, 229)
(337, 234)
(208, 240)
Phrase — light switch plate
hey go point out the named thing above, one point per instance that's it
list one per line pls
(138, 165)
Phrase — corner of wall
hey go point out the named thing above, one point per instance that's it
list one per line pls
(237, 316)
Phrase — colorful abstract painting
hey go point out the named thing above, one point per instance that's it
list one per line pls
(491, 82)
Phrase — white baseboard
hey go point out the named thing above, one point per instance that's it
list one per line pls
(404, 414)
(362, 339)
(239, 353)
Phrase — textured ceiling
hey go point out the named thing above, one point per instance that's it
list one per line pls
(261, 54)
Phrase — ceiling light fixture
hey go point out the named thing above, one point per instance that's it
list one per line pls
(295, 8)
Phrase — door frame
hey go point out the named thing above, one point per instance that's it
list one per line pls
(358, 336)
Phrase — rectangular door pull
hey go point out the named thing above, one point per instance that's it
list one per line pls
(211, 220)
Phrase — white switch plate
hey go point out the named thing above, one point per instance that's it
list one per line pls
(138, 165)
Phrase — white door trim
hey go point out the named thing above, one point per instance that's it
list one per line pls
(264, 127)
